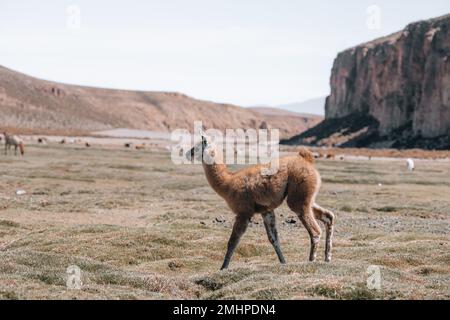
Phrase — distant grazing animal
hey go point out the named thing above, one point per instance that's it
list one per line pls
(248, 192)
(13, 141)
(63, 141)
(410, 164)
(42, 140)
(140, 147)
(128, 145)
(87, 144)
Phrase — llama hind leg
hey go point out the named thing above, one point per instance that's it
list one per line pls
(305, 213)
(314, 231)
(272, 234)
(240, 225)
(327, 217)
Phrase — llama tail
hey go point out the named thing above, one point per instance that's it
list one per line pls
(306, 154)
(22, 148)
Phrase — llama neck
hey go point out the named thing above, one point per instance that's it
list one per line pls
(217, 176)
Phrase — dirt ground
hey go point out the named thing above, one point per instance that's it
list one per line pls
(140, 227)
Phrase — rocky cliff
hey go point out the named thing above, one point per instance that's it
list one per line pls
(396, 87)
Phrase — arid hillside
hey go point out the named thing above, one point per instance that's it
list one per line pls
(29, 103)
(287, 120)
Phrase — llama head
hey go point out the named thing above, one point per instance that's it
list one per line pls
(204, 150)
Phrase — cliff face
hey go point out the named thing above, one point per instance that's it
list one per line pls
(399, 80)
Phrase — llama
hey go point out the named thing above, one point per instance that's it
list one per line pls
(410, 164)
(140, 146)
(13, 141)
(248, 192)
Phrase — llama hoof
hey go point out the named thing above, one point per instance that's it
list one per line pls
(327, 259)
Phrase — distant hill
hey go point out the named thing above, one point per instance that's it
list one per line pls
(311, 106)
(283, 112)
(282, 119)
(28, 103)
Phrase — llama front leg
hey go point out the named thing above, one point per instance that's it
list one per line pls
(327, 217)
(240, 225)
(272, 234)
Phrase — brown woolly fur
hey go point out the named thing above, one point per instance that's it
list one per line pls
(306, 154)
(252, 190)
(22, 148)
(13, 141)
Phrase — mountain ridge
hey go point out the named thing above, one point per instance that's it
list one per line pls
(29, 103)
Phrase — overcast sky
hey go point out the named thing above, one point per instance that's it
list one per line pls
(243, 52)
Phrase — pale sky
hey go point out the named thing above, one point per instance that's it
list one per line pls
(245, 52)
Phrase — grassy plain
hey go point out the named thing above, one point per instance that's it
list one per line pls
(140, 227)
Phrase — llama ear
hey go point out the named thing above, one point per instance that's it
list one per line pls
(201, 133)
(204, 136)
(204, 140)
